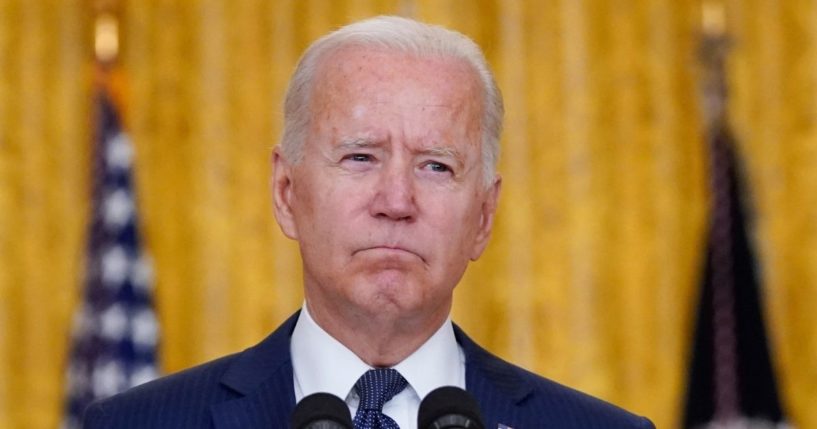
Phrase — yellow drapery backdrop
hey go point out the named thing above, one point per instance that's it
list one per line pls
(45, 99)
(592, 272)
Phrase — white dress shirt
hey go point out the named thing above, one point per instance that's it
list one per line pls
(320, 363)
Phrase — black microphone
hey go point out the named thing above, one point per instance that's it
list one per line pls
(449, 407)
(321, 411)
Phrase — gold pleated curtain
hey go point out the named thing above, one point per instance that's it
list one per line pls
(592, 274)
(45, 127)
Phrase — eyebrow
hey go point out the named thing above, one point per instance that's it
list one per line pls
(357, 142)
(442, 151)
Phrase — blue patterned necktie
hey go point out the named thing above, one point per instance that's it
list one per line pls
(375, 388)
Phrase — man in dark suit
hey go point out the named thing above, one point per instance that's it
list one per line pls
(386, 178)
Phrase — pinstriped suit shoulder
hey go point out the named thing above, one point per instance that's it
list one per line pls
(145, 405)
(517, 398)
(254, 389)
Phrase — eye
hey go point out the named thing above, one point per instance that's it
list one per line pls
(358, 157)
(358, 161)
(437, 167)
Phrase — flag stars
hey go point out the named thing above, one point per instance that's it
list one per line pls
(114, 323)
(115, 266)
(108, 379)
(144, 329)
(115, 329)
(141, 275)
(119, 154)
(143, 374)
(117, 209)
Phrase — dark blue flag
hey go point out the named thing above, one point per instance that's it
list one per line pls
(115, 332)
(732, 383)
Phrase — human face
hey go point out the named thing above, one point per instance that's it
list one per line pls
(388, 201)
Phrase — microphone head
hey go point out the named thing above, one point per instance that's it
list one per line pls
(321, 411)
(449, 407)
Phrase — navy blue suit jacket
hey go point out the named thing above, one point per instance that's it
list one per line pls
(254, 389)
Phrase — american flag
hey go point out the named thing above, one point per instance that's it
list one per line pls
(115, 331)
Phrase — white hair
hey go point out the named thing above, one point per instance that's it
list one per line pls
(402, 35)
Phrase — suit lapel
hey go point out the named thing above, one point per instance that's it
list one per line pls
(267, 407)
(262, 377)
(495, 384)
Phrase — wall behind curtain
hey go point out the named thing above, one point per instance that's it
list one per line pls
(597, 248)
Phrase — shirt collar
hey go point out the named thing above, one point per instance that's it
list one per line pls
(438, 362)
(320, 363)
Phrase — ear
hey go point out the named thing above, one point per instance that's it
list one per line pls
(486, 218)
(282, 195)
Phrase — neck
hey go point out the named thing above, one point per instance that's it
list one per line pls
(379, 340)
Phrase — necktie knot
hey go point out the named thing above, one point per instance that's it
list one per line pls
(378, 386)
(375, 388)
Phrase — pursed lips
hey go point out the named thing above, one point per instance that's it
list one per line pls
(388, 248)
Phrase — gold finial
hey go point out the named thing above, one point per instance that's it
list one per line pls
(106, 37)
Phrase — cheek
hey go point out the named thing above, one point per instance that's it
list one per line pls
(458, 222)
(309, 210)
(330, 212)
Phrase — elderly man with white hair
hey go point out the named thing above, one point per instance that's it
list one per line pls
(386, 178)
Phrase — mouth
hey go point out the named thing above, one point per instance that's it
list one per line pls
(397, 251)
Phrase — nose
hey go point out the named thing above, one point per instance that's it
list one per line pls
(395, 195)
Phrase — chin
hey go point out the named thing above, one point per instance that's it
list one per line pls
(391, 290)
(391, 279)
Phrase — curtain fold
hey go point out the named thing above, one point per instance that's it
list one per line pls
(598, 245)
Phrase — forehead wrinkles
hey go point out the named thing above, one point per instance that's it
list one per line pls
(354, 81)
